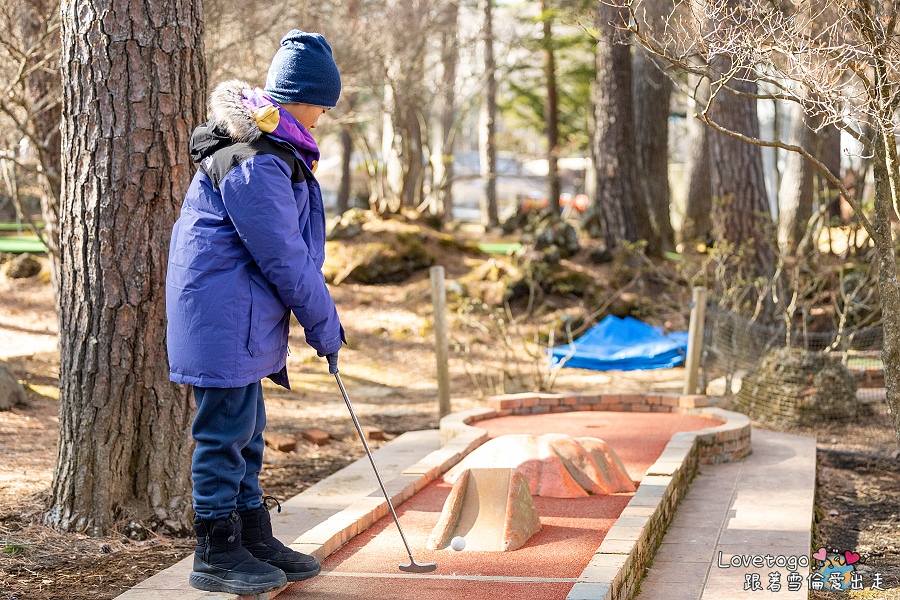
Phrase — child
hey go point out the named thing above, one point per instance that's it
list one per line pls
(246, 252)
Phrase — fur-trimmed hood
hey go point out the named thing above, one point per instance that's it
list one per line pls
(230, 121)
(229, 112)
(240, 113)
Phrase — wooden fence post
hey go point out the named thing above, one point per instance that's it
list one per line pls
(441, 346)
(695, 340)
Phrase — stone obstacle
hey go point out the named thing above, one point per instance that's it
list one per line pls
(554, 465)
(491, 504)
(491, 509)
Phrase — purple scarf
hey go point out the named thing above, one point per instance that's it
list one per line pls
(274, 120)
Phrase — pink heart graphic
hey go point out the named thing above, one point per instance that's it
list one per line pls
(851, 557)
(820, 554)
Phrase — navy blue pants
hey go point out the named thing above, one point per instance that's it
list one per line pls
(229, 453)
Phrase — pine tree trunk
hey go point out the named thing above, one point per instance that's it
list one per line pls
(830, 155)
(551, 112)
(343, 194)
(44, 97)
(888, 284)
(652, 92)
(134, 83)
(742, 214)
(487, 123)
(413, 151)
(619, 210)
(444, 136)
(345, 187)
(391, 141)
(795, 194)
(697, 224)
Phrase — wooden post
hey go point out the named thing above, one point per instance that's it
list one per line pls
(439, 301)
(695, 340)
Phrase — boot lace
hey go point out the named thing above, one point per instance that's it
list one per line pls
(273, 499)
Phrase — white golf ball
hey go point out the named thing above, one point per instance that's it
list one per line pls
(458, 543)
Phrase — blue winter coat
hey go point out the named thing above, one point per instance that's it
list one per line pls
(246, 251)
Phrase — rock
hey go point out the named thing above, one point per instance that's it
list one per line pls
(575, 283)
(11, 391)
(600, 256)
(23, 266)
(623, 305)
(544, 229)
(455, 290)
(794, 386)
(390, 261)
(348, 225)
(556, 233)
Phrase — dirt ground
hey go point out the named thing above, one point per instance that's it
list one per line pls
(390, 341)
(858, 500)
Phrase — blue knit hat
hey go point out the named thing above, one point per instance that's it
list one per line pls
(303, 71)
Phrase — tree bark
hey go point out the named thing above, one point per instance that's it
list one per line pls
(551, 111)
(444, 135)
(345, 188)
(402, 137)
(652, 92)
(697, 224)
(888, 284)
(487, 147)
(742, 214)
(413, 151)
(45, 112)
(830, 155)
(343, 194)
(134, 87)
(795, 194)
(619, 210)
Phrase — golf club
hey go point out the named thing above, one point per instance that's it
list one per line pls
(413, 566)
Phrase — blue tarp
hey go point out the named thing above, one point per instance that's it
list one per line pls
(627, 344)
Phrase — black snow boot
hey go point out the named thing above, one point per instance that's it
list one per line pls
(258, 539)
(222, 564)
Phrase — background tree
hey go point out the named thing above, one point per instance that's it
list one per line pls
(618, 210)
(551, 110)
(548, 89)
(840, 63)
(30, 104)
(444, 136)
(697, 225)
(403, 137)
(741, 205)
(795, 192)
(652, 94)
(134, 87)
(829, 139)
(487, 129)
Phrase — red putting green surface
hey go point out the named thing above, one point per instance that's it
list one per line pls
(543, 569)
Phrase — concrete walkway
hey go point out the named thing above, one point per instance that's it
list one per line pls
(755, 514)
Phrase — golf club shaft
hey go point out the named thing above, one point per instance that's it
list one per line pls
(375, 468)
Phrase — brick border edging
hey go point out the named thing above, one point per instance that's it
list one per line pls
(722, 443)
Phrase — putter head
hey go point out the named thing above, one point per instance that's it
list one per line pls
(414, 567)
